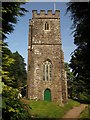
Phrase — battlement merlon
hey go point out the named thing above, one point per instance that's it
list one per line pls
(43, 14)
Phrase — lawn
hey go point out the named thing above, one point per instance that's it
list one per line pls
(85, 113)
(45, 109)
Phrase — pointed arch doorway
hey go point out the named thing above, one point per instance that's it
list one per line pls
(47, 95)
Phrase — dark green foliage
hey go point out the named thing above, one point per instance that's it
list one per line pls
(10, 13)
(19, 70)
(70, 76)
(13, 67)
(12, 108)
(80, 62)
(7, 62)
(70, 79)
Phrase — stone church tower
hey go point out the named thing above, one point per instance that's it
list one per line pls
(46, 79)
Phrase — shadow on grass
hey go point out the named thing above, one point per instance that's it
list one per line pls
(82, 101)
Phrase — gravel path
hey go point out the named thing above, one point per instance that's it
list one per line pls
(75, 112)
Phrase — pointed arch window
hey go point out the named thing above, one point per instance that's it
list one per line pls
(46, 26)
(47, 70)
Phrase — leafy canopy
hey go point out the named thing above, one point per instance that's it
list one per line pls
(10, 13)
(80, 62)
(12, 108)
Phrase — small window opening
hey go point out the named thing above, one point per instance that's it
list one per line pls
(46, 26)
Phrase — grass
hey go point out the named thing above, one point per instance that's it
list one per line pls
(45, 109)
(85, 113)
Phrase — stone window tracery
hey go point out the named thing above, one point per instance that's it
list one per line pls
(47, 70)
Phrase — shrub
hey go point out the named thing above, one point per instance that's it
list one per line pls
(13, 108)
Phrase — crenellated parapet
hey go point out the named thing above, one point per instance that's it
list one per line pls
(44, 14)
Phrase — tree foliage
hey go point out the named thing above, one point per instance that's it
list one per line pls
(7, 61)
(19, 70)
(10, 13)
(70, 76)
(70, 79)
(13, 68)
(12, 108)
(80, 62)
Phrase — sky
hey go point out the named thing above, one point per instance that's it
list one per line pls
(18, 40)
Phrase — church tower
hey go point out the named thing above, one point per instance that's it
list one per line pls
(46, 79)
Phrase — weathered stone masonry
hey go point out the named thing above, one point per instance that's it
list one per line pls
(44, 47)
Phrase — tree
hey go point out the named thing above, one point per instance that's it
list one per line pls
(80, 62)
(70, 75)
(19, 70)
(7, 62)
(10, 13)
(12, 108)
(13, 69)
(70, 79)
